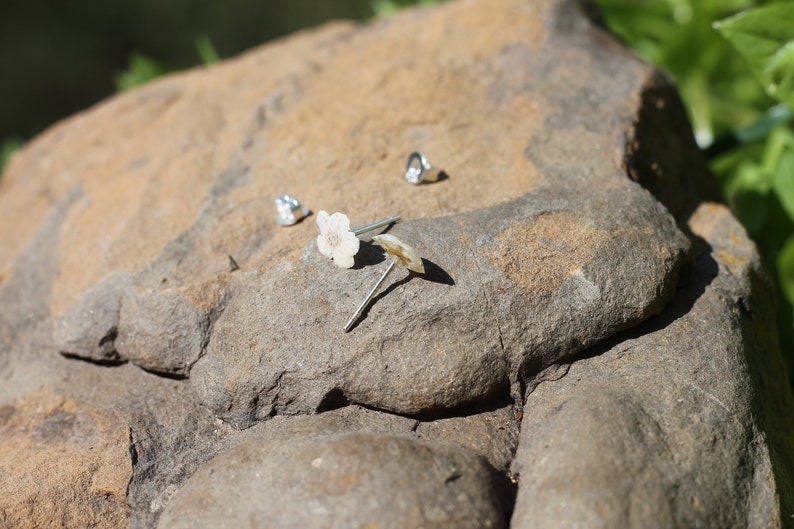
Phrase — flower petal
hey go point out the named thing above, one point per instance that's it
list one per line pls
(339, 223)
(344, 261)
(322, 221)
(345, 251)
(401, 253)
(324, 246)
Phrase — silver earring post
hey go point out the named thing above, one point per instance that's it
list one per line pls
(402, 255)
(360, 309)
(376, 225)
(419, 170)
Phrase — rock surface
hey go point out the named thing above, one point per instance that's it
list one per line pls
(693, 451)
(139, 241)
(63, 464)
(349, 469)
(521, 238)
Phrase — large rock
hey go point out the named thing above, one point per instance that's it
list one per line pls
(139, 241)
(63, 464)
(522, 239)
(662, 428)
(350, 469)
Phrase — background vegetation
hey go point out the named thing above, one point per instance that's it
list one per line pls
(737, 79)
(733, 61)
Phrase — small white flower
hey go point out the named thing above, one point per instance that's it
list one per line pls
(335, 240)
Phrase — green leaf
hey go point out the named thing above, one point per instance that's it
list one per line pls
(783, 182)
(749, 177)
(386, 8)
(785, 269)
(780, 140)
(780, 72)
(206, 50)
(142, 69)
(8, 149)
(765, 37)
(752, 209)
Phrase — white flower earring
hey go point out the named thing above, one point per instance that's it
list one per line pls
(402, 255)
(338, 242)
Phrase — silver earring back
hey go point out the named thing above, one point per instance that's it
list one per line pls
(290, 211)
(419, 170)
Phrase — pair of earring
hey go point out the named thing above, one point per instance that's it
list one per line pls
(340, 244)
(417, 171)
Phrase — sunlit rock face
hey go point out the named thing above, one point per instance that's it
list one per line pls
(589, 340)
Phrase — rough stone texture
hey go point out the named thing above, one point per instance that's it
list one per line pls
(63, 464)
(324, 471)
(171, 433)
(139, 240)
(521, 239)
(694, 450)
(90, 329)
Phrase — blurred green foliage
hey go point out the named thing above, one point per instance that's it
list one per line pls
(678, 35)
(206, 50)
(734, 63)
(141, 70)
(763, 36)
(384, 8)
(8, 148)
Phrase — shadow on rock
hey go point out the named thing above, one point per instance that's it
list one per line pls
(433, 273)
(369, 253)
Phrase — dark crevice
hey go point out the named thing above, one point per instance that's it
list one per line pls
(109, 337)
(105, 362)
(506, 490)
(453, 476)
(661, 153)
(549, 373)
(209, 324)
(133, 452)
(487, 403)
(164, 374)
(333, 400)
